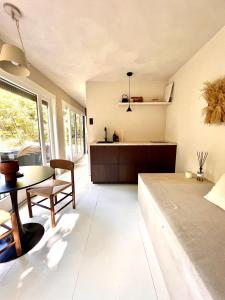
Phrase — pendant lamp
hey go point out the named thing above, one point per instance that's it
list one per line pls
(12, 58)
(129, 74)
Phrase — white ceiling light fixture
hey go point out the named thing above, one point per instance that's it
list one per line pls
(13, 59)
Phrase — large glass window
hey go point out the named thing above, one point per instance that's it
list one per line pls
(46, 128)
(24, 126)
(66, 120)
(74, 134)
(20, 134)
(80, 135)
(18, 127)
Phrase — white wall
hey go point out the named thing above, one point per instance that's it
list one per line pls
(145, 123)
(185, 122)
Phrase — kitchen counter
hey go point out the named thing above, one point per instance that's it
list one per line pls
(121, 162)
(133, 144)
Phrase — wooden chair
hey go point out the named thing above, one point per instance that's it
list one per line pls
(51, 188)
(14, 232)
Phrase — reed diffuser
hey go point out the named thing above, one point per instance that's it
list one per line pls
(201, 160)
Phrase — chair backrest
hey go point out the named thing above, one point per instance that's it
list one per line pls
(62, 164)
(65, 165)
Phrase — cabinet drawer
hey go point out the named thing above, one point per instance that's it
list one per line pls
(133, 154)
(104, 154)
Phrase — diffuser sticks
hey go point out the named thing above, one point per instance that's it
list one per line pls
(201, 160)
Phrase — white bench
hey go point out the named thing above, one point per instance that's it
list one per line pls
(187, 233)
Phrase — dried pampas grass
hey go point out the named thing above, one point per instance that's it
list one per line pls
(214, 94)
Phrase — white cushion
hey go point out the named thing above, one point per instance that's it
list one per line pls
(217, 193)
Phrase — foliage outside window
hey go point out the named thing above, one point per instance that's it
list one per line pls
(18, 121)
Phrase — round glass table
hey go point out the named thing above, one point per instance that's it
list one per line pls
(30, 233)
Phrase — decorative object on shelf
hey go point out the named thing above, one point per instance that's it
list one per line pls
(214, 94)
(168, 92)
(129, 74)
(115, 137)
(13, 59)
(188, 174)
(201, 160)
(137, 99)
(10, 168)
(125, 98)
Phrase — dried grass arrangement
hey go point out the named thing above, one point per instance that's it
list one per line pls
(214, 94)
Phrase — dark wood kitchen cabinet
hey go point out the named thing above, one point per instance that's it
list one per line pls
(104, 163)
(122, 163)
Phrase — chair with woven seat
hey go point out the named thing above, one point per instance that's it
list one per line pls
(51, 188)
(11, 236)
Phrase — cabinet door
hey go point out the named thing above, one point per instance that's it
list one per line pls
(161, 159)
(104, 173)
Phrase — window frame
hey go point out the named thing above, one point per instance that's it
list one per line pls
(41, 96)
(40, 100)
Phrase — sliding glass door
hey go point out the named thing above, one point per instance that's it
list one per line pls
(74, 134)
(67, 133)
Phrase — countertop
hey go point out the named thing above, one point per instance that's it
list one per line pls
(134, 144)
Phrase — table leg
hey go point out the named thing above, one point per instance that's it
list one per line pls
(15, 208)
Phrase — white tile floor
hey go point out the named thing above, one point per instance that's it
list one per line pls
(100, 251)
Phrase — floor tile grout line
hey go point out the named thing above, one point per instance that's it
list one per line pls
(85, 246)
(146, 256)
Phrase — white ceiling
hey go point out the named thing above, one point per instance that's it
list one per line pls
(74, 41)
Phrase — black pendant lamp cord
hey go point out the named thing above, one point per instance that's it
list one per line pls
(129, 91)
(129, 108)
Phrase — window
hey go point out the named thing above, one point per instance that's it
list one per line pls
(66, 120)
(74, 134)
(46, 129)
(22, 124)
(24, 121)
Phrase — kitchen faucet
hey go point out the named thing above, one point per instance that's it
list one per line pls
(105, 134)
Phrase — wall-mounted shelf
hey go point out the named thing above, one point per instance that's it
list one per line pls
(146, 103)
